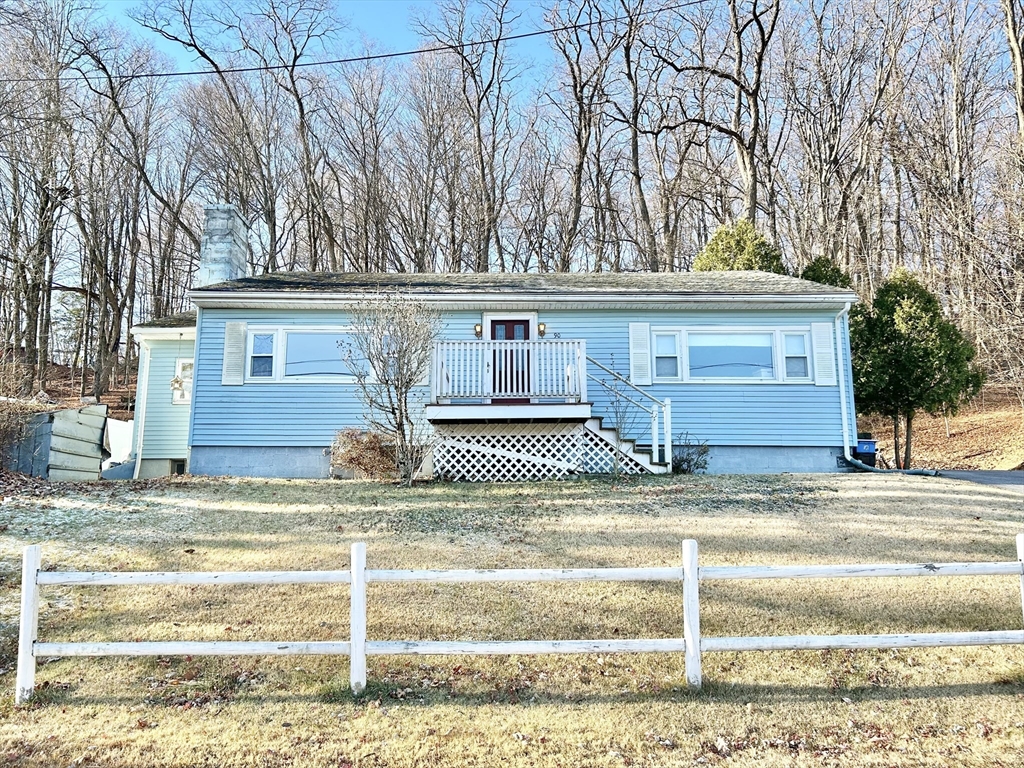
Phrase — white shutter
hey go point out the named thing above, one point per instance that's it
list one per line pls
(824, 355)
(233, 370)
(640, 353)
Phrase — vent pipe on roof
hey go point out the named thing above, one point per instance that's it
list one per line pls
(224, 253)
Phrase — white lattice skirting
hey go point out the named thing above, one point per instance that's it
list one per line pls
(516, 452)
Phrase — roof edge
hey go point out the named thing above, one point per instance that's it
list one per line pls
(236, 298)
(143, 332)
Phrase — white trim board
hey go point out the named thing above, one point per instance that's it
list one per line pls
(523, 412)
(487, 318)
(186, 333)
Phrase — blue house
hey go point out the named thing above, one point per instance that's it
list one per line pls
(535, 376)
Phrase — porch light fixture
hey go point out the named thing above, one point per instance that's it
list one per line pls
(478, 329)
(541, 329)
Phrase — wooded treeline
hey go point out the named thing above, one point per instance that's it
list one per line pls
(881, 133)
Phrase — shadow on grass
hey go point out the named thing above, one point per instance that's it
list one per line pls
(391, 695)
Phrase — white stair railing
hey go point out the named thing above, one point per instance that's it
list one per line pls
(660, 411)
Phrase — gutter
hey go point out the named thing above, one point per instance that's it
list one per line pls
(224, 299)
(845, 311)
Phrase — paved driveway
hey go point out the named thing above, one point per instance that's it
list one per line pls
(1012, 479)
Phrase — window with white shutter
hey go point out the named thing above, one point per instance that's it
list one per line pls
(233, 368)
(824, 355)
(640, 353)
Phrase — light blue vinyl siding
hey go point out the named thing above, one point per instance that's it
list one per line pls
(723, 414)
(277, 413)
(165, 424)
(305, 414)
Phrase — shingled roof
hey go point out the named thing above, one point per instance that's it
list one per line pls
(550, 283)
(180, 320)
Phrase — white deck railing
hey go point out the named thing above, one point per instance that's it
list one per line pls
(358, 647)
(509, 370)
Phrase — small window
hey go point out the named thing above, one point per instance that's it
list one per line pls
(181, 389)
(316, 354)
(731, 355)
(666, 355)
(261, 356)
(798, 365)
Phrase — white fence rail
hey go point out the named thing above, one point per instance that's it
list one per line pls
(358, 647)
(503, 370)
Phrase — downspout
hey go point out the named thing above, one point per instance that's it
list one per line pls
(192, 401)
(845, 412)
(141, 393)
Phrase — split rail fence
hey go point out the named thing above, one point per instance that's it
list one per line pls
(358, 647)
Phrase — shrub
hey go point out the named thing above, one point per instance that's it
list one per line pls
(367, 453)
(689, 455)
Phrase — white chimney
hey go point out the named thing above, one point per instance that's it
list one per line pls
(224, 252)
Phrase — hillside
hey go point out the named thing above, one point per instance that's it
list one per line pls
(987, 434)
(64, 387)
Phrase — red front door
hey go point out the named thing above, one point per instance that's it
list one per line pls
(511, 367)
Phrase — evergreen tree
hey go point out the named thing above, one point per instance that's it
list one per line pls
(739, 246)
(907, 358)
(825, 271)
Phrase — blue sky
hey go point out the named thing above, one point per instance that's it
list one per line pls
(387, 23)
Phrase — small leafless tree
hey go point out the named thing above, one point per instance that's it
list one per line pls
(392, 341)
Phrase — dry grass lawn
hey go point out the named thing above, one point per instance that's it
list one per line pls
(932, 707)
(988, 433)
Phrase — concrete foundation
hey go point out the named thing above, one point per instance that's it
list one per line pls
(157, 468)
(254, 461)
(257, 461)
(769, 460)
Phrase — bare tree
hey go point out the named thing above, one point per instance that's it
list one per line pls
(730, 76)
(487, 79)
(392, 342)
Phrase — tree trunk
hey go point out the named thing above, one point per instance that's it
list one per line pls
(907, 440)
(896, 442)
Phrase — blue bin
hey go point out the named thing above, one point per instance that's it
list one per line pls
(866, 446)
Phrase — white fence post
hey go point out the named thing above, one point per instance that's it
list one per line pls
(691, 613)
(357, 619)
(29, 628)
(1020, 559)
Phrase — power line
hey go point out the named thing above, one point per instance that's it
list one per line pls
(366, 58)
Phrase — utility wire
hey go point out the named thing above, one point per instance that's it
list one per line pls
(369, 57)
